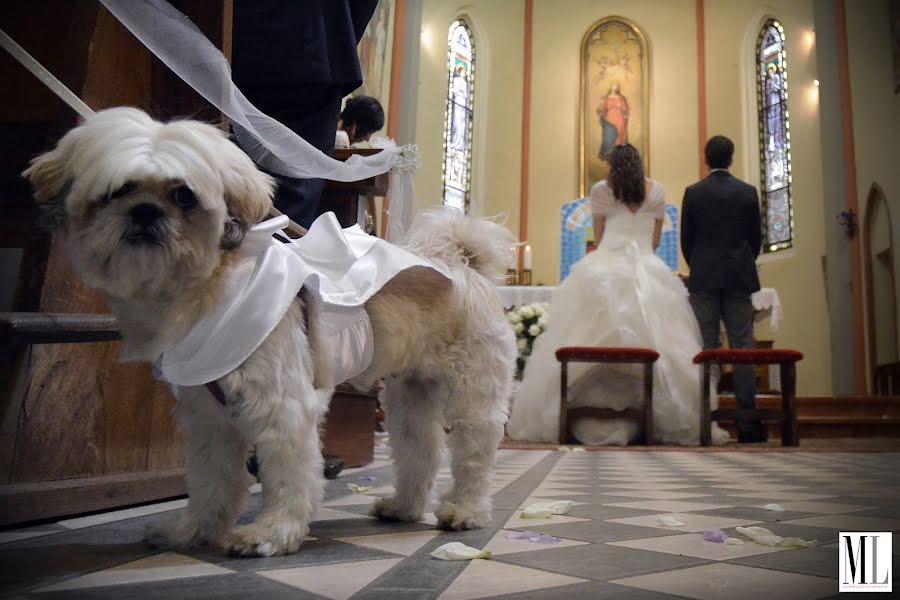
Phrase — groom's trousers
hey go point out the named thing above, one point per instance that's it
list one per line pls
(734, 308)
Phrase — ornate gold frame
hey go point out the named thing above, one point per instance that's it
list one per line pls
(645, 100)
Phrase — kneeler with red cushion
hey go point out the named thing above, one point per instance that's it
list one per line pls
(594, 354)
(785, 359)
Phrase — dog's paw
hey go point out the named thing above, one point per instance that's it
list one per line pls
(176, 533)
(389, 509)
(455, 517)
(262, 539)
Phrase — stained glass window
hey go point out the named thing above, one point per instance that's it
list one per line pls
(458, 121)
(774, 138)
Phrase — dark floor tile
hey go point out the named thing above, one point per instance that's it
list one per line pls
(369, 526)
(243, 585)
(312, 552)
(822, 562)
(591, 590)
(601, 531)
(601, 512)
(885, 512)
(756, 514)
(44, 560)
(600, 562)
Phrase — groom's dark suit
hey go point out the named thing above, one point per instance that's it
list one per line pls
(720, 238)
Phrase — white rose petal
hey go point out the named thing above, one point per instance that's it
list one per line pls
(518, 328)
(522, 343)
(543, 320)
(534, 330)
(514, 317)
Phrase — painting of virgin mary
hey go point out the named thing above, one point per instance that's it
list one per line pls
(614, 96)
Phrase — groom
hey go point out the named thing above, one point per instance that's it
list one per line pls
(721, 235)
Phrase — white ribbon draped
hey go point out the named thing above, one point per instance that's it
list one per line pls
(178, 43)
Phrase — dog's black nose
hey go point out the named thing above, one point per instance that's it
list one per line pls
(145, 214)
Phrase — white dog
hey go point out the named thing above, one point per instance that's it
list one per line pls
(153, 213)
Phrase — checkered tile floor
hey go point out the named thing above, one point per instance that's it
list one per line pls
(612, 543)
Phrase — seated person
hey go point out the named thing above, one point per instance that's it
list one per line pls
(362, 116)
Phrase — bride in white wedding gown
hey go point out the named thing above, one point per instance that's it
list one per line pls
(620, 295)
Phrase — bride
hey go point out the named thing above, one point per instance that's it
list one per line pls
(621, 295)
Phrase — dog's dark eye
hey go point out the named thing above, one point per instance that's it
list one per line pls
(124, 190)
(184, 197)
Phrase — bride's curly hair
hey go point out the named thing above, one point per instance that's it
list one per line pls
(626, 175)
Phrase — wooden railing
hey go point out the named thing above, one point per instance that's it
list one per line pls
(887, 379)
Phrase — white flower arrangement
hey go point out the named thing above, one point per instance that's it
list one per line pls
(528, 322)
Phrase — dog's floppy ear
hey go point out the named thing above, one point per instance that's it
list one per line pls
(248, 196)
(50, 178)
(248, 191)
(233, 234)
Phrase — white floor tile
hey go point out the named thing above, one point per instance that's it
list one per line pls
(396, 543)
(484, 578)
(161, 567)
(336, 581)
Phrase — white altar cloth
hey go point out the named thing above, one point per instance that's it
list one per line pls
(520, 295)
(766, 304)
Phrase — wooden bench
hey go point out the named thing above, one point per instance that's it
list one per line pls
(785, 359)
(592, 354)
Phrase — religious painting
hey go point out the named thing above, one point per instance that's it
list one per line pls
(615, 67)
(373, 49)
(774, 138)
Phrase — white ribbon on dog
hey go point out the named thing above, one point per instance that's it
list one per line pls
(343, 267)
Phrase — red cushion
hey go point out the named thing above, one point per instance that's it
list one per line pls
(747, 356)
(613, 355)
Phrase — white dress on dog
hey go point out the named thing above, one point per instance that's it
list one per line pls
(342, 267)
(620, 295)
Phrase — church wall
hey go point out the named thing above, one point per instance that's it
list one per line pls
(797, 274)
(876, 110)
(498, 30)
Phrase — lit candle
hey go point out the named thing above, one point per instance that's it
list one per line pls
(513, 258)
(527, 261)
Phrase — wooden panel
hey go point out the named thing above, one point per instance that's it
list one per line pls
(119, 67)
(166, 443)
(349, 428)
(26, 502)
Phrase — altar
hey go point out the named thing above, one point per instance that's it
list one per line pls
(766, 303)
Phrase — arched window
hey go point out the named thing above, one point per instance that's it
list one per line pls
(458, 121)
(774, 138)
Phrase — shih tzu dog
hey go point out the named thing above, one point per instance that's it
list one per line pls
(155, 215)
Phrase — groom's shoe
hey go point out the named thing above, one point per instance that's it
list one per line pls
(752, 433)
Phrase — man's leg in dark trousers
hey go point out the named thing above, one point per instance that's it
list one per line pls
(737, 312)
(311, 111)
(707, 307)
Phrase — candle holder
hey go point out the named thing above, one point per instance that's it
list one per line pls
(525, 277)
(511, 277)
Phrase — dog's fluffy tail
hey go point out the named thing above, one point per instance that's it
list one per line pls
(448, 236)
